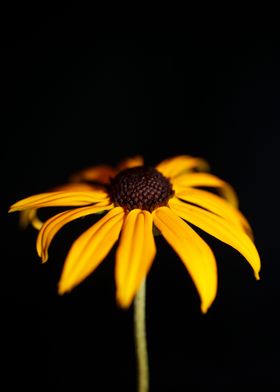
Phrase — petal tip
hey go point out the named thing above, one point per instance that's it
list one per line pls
(257, 276)
(61, 290)
(64, 287)
(204, 308)
(123, 302)
(44, 256)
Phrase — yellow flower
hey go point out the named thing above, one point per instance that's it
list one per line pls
(135, 198)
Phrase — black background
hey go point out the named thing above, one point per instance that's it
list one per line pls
(74, 96)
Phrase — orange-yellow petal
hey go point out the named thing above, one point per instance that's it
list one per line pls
(205, 180)
(220, 228)
(88, 251)
(30, 215)
(193, 251)
(135, 254)
(217, 205)
(60, 199)
(99, 173)
(178, 165)
(130, 162)
(54, 224)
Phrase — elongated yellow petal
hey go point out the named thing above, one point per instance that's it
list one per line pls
(221, 229)
(175, 166)
(59, 199)
(30, 215)
(135, 254)
(205, 180)
(99, 173)
(54, 224)
(88, 251)
(217, 205)
(194, 252)
(131, 162)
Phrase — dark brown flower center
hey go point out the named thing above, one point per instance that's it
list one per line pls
(140, 187)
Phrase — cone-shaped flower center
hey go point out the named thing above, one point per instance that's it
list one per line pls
(140, 187)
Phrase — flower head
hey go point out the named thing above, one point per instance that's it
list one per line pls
(135, 198)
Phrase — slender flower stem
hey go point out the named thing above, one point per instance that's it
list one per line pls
(141, 339)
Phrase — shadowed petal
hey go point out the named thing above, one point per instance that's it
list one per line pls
(131, 162)
(59, 199)
(173, 167)
(54, 224)
(217, 205)
(205, 180)
(99, 173)
(76, 186)
(221, 229)
(135, 254)
(88, 251)
(29, 216)
(194, 252)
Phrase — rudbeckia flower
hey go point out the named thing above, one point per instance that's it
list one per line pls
(174, 196)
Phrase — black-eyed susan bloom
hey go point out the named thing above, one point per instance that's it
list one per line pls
(135, 198)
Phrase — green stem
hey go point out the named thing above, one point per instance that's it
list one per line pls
(141, 340)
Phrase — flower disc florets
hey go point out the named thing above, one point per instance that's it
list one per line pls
(140, 187)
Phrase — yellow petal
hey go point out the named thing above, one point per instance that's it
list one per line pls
(54, 224)
(194, 252)
(29, 216)
(217, 205)
(59, 199)
(205, 180)
(88, 251)
(221, 229)
(135, 254)
(175, 166)
(99, 173)
(131, 162)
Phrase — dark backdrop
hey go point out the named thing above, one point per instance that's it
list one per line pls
(75, 96)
